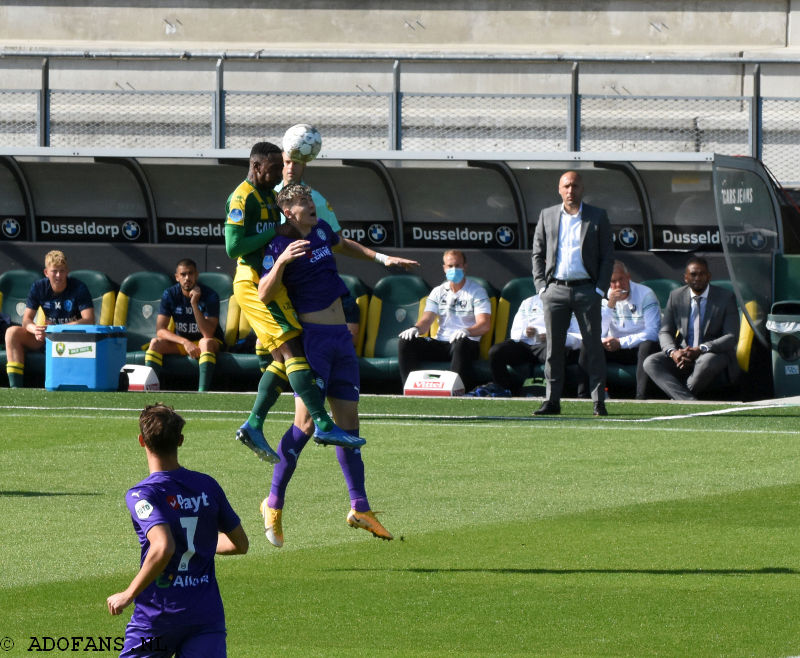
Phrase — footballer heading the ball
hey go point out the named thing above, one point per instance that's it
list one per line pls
(302, 142)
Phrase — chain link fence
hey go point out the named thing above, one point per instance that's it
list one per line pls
(19, 112)
(349, 121)
(653, 124)
(780, 134)
(472, 122)
(131, 119)
(480, 123)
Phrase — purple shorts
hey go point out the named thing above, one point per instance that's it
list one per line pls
(332, 356)
(183, 641)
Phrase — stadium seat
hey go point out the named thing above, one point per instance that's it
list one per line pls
(360, 292)
(137, 308)
(662, 288)
(511, 296)
(395, 305)
(14, 288)
(103, 292)
(222, 284)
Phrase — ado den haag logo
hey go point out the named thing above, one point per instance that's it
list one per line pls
(11, 227)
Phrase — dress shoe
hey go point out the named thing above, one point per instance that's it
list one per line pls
(548, 409)
(600, 409)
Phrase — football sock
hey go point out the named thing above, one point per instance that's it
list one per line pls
(264, 356)
(155, 360)
(270, 387)
(208, 361)
(353, 470)
(289, 448)
(302, 381)
(16, 374)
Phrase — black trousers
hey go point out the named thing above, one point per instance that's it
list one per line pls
(516, 353)
(644, 387)
(460, 354)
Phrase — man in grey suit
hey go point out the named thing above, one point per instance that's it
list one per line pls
(698, 336)
(573, 256)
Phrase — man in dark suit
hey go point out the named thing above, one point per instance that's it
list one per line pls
(573, 256)
(698, 336)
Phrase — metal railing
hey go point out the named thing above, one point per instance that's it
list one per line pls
(764, 127)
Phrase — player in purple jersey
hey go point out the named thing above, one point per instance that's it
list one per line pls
(307, 268)
(182, 519)
(63, 300)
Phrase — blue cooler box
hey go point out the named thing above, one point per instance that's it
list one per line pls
(83, 357)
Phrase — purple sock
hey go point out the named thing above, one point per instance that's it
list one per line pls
(289, 448)
(353, 470)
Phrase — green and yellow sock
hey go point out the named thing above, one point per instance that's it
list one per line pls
(208, 361)
(302, 380)
(16, 374)
(270, 386)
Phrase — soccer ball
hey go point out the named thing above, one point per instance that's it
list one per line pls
(302, 142)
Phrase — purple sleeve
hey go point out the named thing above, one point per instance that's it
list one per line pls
(145, 513)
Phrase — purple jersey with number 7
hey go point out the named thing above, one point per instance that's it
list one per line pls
(196, 509)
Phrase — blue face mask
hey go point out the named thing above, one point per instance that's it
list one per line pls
(455, 275)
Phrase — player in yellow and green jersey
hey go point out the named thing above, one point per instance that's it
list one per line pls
(251, 218)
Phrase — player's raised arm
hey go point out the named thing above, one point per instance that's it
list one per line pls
(348, 247)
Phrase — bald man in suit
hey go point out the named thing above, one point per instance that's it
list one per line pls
(693, 352)
(573, 257)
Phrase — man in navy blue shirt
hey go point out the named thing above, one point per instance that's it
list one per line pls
(194, 309)
(63, 300)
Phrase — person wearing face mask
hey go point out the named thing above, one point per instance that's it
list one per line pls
(464, 313)
(631, 319)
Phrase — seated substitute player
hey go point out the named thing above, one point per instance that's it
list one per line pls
(465, 314)
(63, 300)
(307, 268)
(528, 344)
(194, 308)
(182, 519)
(252, 217)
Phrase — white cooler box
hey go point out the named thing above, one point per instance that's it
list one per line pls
(441, 383)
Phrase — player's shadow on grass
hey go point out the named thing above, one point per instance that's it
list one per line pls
(37, 494)
(763, 571)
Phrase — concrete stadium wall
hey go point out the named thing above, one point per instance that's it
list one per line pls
(411, 28)
(487, 25)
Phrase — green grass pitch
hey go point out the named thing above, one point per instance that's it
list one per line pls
(661, 530)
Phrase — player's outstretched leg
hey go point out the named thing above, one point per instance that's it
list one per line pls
(255, 440)
(326, 432)
(337, 437)
(251, 432)
(360, 515)
(289, 449)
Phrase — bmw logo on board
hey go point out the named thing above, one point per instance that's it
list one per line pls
(377, 234)
(11, 228)
(131, 230)
(628, 237)
(504, 236)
